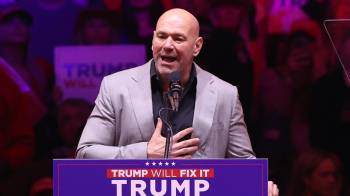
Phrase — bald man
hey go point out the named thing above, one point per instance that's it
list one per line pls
(125, 122)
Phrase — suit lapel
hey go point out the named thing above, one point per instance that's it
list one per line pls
(206, 98)
(141, 100)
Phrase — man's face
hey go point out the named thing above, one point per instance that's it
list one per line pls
(175, 43)
(325, 180)
(71, 120)
(97, 31)
(301, 61)
(14, 31)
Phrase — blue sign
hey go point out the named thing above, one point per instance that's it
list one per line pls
(207, 177)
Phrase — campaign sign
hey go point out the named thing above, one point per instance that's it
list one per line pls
(80, 69)
(196, 177)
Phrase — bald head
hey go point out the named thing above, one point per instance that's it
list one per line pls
(182, 15)
(175, 43)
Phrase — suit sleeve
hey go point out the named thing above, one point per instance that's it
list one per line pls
(239, 145)
(101, 130)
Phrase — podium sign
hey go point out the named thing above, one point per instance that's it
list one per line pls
(207, 177)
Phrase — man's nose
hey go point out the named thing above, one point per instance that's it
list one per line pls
(169, 44)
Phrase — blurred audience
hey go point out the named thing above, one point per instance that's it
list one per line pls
(53, 26)
(20, 110)
(60, 138)
(281, 107)
(330, 109)
(71, 118)
(34, 179)
(200, 9)
(225, 52)
(97, 27)
(316, 173)
(139, 21)
(15, 35)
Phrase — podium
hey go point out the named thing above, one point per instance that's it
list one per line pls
(205, 177)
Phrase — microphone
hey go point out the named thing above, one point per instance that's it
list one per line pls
(175, 90)
(174, 95)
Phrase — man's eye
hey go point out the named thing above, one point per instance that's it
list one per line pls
(179, 39)
(161, 36)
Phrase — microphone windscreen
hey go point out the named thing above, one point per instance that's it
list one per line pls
(175, 76)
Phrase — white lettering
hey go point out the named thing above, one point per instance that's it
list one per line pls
(197, 186)
(138, 186)
(175, 186)
(119, 187)
(162, 189)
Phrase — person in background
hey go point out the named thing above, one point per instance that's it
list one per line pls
(34, 179)
(139, 17)
(15, 35)
(53, 26)
(201, 10)
(71, 118)
(225, 53)
(330, 107)
(281, 107)
(61, 138)
(20, 110)
(316, 173)
(97, 27)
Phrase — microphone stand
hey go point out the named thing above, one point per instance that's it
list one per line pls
(169, 134)
(169, 130)
(168, 142)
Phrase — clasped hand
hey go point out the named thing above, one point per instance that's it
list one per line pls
(179, 149)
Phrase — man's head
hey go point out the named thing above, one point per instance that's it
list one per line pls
(228, 14)
(15, 24)
(71, 118)
(96, 27)
(175, 43)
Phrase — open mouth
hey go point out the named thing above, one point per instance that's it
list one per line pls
(168, 59)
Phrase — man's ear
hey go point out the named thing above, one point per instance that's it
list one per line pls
(197, 46)
(154, 33)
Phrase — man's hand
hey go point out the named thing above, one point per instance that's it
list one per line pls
(186, 148)
(272, 189)
(183, 149)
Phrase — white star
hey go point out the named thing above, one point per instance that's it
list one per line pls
(173, 163)
(147, 163)
(166, 163)
(154, 163)
(160, 163)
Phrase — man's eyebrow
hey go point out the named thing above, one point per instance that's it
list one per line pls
(160, 32)
(171, 34)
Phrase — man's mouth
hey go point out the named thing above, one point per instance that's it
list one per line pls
(168, 59)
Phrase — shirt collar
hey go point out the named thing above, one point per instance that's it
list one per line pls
(155, 75)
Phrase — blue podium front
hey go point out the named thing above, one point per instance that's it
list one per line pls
(205, 177)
